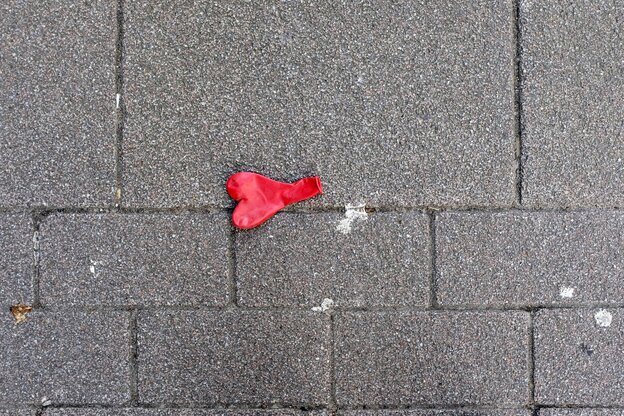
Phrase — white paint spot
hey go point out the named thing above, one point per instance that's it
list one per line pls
(566, 292)
(117, 98)
(325, 305)
(603, 318)
(92, 267)
(45, 402)
(36, 240)
(352, 213)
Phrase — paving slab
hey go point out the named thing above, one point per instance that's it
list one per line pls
(573, 79)
(391, 103)
(384, 259)
(234, 357)
(16, 259)
(135, 259)
(578, 357)
(432, 412)
(581, 412)
(424, 358)
(176, 412)
(529, 258)
(69, 357)
(57, 103)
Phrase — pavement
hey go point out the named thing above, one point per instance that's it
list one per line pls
(483, 276)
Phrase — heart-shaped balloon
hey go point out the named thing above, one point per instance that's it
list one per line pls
(259, 197)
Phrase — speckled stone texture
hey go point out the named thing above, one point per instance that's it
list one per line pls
(529, 258)
(57, 102)
(404, 103)
(69, 357)
(578, 361)
(245, 357)
(135, 259)
(573, 102)
(395, 358)
(301, 259)
(484, 278)
(16, 259)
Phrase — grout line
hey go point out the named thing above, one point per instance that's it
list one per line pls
(518, 104)
(433, 295)
(233, 289)
(531, 359)
(132, 360)
(305, 407)
(36, 272)
(300, 407)
(372, 309)
(119, 104)
(209, 209)
(333, 404)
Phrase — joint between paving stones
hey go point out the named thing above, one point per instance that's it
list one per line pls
(120, 107)
(233, 284)
(433, 297)
(518, 102)
(217, 406)
(333, 403)
(209, 209)
(38, 410)
(337, 310)
(132, 359)
(36, 267)
(531, 358)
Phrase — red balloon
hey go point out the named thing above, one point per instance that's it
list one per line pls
(259, 197)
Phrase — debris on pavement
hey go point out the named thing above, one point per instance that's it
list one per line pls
(326, 305)
(603, 318)
(352, 213)
(259, 197)
(19, 312)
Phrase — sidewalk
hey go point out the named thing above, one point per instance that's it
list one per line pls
(484, 276)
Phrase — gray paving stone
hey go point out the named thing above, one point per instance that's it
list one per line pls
(16, 259)
(135, 259)
(573, 61)
(70, 357)
(581, 412)
(431, 412)
(529, 258)
(57, 102)
(176, 412)
(407, 102)
(234, 357)
(423, 358)
(301, 259)
(17, 412)
(578, 361)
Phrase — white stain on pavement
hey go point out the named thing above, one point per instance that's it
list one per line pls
(566, 292)
(603, 318)
(352, 213)
(93, 267)
(326, 305)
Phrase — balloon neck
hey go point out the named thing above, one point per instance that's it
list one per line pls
(304, 189)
